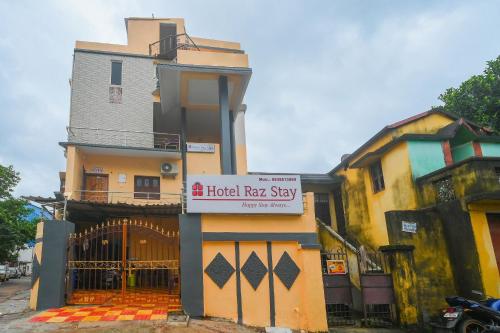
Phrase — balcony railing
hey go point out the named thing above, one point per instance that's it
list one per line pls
(135, 198)
(124, 138)
(166, 47)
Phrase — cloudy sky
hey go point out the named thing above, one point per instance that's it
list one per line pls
(326, 74)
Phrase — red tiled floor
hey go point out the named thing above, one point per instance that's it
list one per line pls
(74, 318)
(104, 313)
(142, 317)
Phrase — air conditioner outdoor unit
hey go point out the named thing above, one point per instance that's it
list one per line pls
(169, 169)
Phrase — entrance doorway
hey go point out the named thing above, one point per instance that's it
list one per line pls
(96, 188)
(123, 261)
(494, 226)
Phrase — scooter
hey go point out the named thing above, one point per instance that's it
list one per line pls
(468, 316)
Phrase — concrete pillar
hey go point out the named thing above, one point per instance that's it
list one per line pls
(233, 143)
(191, 264)
(49, 264)
(225, 127)
(400, 263)
(183, 147)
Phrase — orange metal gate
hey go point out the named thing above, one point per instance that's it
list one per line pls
(123, 262)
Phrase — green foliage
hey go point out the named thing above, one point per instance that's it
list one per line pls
(15, 229)
(478, 98)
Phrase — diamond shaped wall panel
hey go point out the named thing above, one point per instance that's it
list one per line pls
(254, 270)
(287, 270)
(219, 270)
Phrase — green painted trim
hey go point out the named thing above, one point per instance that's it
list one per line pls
(490, 149)
(425, 157)
(462, 152)
(441, 172)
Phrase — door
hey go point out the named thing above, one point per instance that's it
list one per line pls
(322, 207)
(494, 225)
(339, 211)
(96, 188)
(168, 41)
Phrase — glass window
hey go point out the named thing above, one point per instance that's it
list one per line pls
(377, 177)
(116, 73)
(147, 188)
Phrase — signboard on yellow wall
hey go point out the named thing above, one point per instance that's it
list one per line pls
(253, 194)
(336, 267)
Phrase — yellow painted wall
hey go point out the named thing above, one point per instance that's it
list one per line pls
(143, 32)
(301, 307)
(198, 164)
(364, 209)
(426, 125)
(204, 163)
(215, 43)
(219, 302)
(262, 223)
(255, 303)
(429, 124)
(398, 193)
(74, 173)
(288, 302)
(487, 259)
(211, 58)
(113, 166)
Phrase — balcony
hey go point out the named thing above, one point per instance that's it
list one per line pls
(119, 139)
(467, 180)
(130, 198)
(166, 48)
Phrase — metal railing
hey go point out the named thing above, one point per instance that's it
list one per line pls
(165, 47)
(135, 198)
(125, 138)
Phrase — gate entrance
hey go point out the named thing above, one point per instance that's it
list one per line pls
(123, 262)
(364, 276)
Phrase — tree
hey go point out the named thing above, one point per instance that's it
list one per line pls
(478, 98)
(15, 229)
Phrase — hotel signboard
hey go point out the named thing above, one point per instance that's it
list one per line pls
(253, 194)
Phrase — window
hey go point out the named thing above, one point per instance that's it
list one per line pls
(497, 173)
(116, 73)
(322, 207)
(445, 191)
(377, 177)
(147, 188)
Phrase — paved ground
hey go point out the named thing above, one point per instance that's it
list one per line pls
(14, 295)
(15, 318)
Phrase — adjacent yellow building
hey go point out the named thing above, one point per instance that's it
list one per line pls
(429, 181)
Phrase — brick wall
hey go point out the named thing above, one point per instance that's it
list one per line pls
(90, 100)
